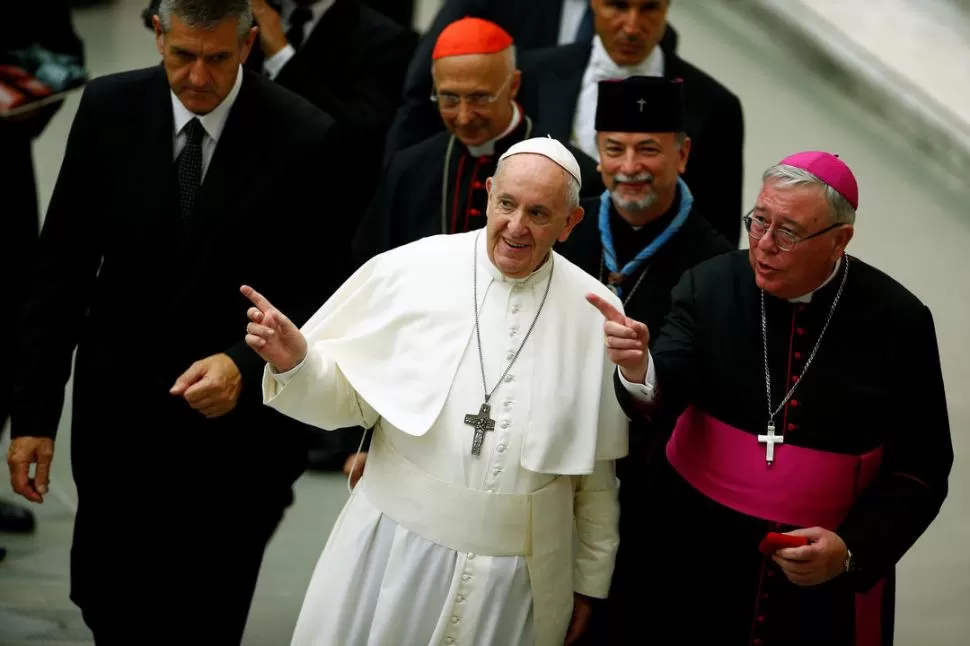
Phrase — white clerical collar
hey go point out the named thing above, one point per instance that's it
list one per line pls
(807, 298)
(604, 68)
(215, 121)
(317, 9)
(485, 263)
(487, 149)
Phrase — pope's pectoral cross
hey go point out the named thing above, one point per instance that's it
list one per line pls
(768, 440)
(482, 424)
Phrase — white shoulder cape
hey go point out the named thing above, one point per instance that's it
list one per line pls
(399, 326)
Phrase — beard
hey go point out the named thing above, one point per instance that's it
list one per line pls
(642, 204)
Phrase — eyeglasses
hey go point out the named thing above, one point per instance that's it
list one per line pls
(784, 239)
(451, 101)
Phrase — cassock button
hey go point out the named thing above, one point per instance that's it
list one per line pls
(505, 423)
(450, 640)
(455, 620)
(461, 598)
(500, 448)
(477, 185)
(761, 619)
(509, 356)
(465, 577)
(509, 378)
(794, 379)
(474, 212)
(794, 403)
(800, 331)
(471, 556)
(496, 471)
(757, 642)
(792, 427)
(798, 355)
(508, 402)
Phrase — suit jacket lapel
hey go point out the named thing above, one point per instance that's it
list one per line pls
(547, 27)
(225, 182)
(157, 167)
(559, 93)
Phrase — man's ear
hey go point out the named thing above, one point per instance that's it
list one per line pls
(572, 220)
(157, 25)
(683, 156)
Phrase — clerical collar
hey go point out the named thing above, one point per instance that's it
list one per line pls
(487, 149)
(485, 263)
(604, 68)
(215, 121)
(807, 298)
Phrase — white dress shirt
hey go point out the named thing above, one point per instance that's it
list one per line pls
(600, 68)
(212, 123)
(572, 15)
(273, 65)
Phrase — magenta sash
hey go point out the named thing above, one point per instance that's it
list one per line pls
(803, 488)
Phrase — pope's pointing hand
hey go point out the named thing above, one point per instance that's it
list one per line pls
(273, 336)
(626, 340)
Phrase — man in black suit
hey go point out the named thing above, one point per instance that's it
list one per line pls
(535, 24)
(349, 61)
(639, 237)
(175, 182)
(560, 87)
(24, 24)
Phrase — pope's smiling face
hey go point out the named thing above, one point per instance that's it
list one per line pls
(529, 210)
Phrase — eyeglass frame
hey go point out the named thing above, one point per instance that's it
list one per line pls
(748, 219)
(488, 99)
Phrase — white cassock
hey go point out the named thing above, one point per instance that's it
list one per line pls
(436, 545)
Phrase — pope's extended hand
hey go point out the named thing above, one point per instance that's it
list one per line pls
(273, 336)
(626, 340)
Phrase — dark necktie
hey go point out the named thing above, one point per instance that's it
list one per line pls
(301, 16)
(190, 168)
(586, 29)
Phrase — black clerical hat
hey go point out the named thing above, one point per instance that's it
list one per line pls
(640, 104)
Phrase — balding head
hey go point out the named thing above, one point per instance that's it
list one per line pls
(475, 93)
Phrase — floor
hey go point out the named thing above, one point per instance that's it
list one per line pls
(911, 223)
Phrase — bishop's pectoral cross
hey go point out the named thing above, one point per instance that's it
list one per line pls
(768, 440)
(482, 424)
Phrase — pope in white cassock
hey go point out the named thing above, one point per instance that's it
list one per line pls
(487, 514)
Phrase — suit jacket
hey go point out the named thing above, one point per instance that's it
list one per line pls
(142, 295)
(533, 24)
(552, 80)
(352, 67)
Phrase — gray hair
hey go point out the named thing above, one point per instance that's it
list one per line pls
(207, 14)
(572, 191)
(786, 176)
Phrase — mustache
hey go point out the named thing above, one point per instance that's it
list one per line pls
(639, 178)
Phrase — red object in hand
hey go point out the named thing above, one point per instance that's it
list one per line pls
(774, 541)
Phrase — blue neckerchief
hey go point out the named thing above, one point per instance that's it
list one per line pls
(606, 235)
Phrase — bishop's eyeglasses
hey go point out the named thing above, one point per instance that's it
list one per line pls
(784, 239)
(451, 100)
